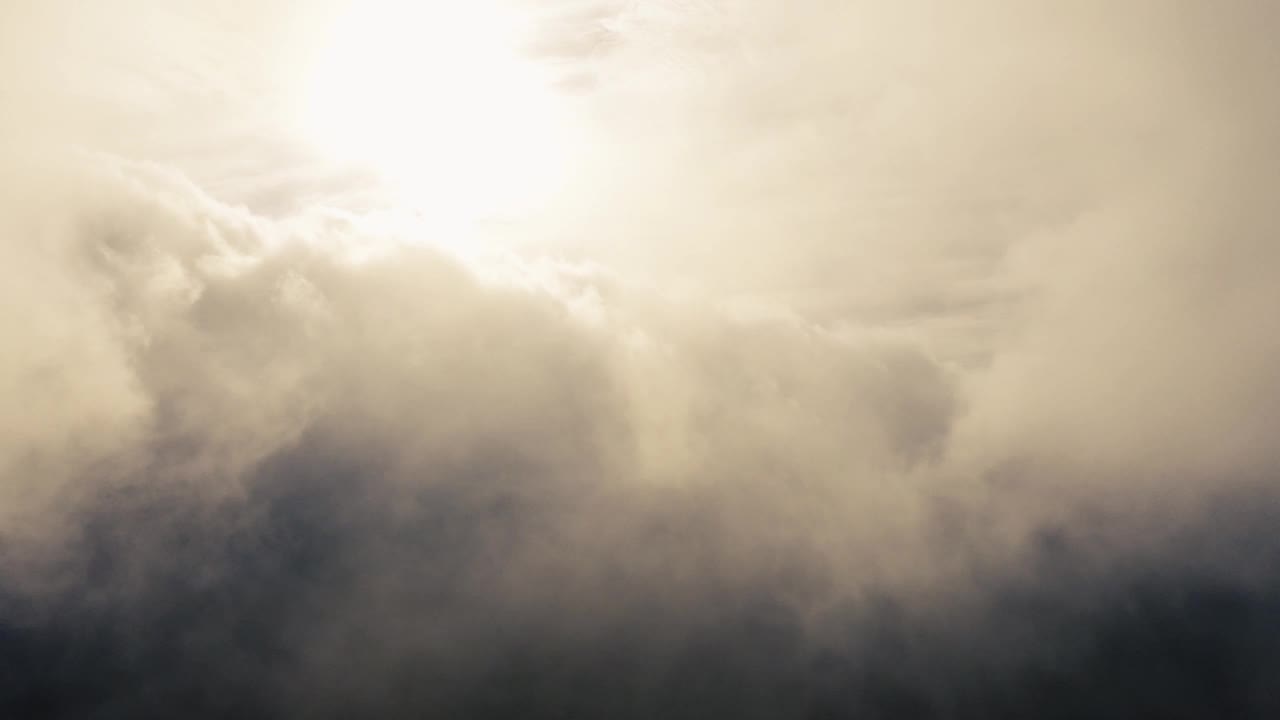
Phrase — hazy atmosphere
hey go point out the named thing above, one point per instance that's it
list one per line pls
(874, 359)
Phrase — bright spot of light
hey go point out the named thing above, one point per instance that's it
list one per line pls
(433, 96)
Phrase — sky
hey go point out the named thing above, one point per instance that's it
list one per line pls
(639, 359)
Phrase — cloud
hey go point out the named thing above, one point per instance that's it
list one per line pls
(251, 397)
(911, 362)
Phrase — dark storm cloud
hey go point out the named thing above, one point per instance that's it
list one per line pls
(304, 467)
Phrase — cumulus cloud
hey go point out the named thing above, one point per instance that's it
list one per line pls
(891, 360)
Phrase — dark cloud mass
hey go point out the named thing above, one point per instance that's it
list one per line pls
(898, 360)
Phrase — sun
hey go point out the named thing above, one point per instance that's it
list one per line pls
(435, 98)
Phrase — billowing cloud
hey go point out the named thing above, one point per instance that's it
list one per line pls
(885, 360)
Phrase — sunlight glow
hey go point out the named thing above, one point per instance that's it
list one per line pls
(434, 97)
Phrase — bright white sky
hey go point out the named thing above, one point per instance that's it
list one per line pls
(890, 165)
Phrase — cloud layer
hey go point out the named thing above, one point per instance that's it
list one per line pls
(891, 360)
